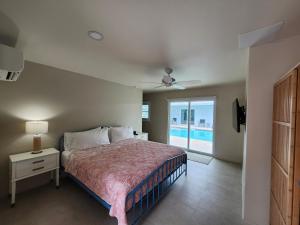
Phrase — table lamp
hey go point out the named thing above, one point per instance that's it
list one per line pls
(37, 128)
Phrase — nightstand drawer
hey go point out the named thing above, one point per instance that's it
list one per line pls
(34, 166)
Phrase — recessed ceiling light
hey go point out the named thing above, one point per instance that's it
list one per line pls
(95, 35)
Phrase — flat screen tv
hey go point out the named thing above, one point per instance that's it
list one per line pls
(238, 115)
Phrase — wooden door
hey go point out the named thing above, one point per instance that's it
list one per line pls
(284, 210)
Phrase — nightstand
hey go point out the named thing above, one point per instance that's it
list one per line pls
(142, 136)
(25, 165)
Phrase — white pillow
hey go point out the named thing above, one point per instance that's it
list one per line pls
(120, 133)
(86, 139)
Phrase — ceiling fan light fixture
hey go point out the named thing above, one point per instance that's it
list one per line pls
(167, 79)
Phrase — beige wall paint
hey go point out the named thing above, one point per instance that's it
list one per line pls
(267, 64)
(69, 101)
(228, 143)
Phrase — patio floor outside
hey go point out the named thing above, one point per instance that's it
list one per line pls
(196, 145)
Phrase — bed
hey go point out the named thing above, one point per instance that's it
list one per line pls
(128, 177)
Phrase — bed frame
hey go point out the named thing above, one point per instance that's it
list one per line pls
(149, 195)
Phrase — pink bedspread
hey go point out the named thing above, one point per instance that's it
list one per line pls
(112, 171)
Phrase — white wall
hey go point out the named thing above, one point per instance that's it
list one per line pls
(266, 65)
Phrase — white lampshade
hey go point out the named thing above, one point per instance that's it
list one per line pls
(37, 127)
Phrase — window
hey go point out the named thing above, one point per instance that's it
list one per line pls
(146, 111)
(184, 116)
(192, 116)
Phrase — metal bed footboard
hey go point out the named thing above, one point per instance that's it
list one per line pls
(149, 192)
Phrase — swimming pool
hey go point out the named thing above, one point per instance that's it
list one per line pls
(204, 135)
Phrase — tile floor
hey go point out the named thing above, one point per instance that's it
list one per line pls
(209, 195)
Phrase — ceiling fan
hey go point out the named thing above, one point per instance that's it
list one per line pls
(169, 81)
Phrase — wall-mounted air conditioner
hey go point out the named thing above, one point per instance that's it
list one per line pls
(11, 63)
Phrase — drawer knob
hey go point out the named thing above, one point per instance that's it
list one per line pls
(39, 168)
(39, 161)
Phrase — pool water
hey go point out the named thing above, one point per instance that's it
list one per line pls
(204, 135)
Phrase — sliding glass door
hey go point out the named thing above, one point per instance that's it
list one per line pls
(201, 126)
(191, 124)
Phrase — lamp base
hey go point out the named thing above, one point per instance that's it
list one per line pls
(37, 144)
(36, 152)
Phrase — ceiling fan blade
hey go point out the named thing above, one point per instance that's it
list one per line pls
(189, 82)
(146, 82)
(177, 86)
(160, 86)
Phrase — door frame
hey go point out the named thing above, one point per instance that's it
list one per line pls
(189, 100)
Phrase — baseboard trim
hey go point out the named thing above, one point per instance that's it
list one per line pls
(247, 222)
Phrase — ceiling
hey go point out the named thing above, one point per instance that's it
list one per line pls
(198, 38)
